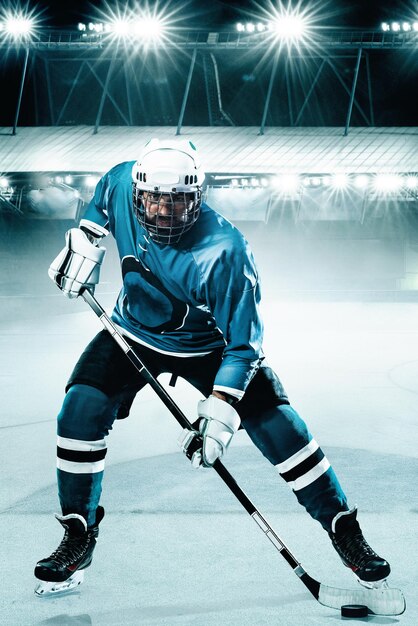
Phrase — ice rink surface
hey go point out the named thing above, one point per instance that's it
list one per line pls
(175, 547)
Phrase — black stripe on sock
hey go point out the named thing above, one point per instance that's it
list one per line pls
(79, 456)
(304, 467)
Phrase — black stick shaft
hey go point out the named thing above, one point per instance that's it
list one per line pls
(181, 418)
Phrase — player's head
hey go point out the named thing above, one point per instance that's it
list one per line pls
(167, 189)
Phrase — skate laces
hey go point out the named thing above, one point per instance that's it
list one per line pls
(355, 548)
(71, 549)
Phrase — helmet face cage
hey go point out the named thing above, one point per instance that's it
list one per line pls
(166, 216)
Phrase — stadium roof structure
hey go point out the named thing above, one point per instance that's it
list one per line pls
(226, 150)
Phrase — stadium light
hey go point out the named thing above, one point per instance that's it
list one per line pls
(4, 183)
(148, 27)
(19, 26)
(387, 183)
(120, 27)
(144, 26)
(396, 27)
(340, 181)
(91, 181)
(411, 182)
(286, 183)
(289, 27)
(96, 27)
(361, 181)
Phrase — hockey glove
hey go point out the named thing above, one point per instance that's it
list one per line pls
(78, 264)
(219, 422)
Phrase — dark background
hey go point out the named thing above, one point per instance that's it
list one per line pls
(157, 79)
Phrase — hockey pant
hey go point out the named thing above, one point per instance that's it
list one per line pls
(280, 434)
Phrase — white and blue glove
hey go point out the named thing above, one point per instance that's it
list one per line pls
(78, 264)
(218, 423)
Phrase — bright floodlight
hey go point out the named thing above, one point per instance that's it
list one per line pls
(287, 182)
(385, 27)
(361, 181)
(91, 181)
(388, 182)
(4, 182)
(396, 27)
(148, 27)
(19, 26)
(340, 181)
(289, 27)
(411, 182)
(120, 27)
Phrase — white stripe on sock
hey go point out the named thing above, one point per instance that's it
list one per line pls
(298, 457)
(80, 468)
(81, 446)
(311, 476)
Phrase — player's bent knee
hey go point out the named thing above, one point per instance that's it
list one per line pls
(85, 413)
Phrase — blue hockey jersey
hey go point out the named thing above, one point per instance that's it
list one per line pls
(188, 298)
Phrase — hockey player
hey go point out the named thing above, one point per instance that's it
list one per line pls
(189, 305)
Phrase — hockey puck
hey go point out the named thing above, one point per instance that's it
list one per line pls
(354, 610)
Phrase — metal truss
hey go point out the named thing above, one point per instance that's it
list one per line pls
(87, 49)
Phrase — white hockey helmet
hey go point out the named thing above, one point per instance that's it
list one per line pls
(170, 170)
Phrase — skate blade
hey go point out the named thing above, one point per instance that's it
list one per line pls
(45, 588)
(376, 584)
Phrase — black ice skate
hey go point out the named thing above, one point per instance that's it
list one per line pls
(354, 551)
(63, 569)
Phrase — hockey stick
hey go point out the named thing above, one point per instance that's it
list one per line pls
(383, 601)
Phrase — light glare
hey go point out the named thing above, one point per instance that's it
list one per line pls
(411, 182)
(388, 182)
(286, 182)
(340, 181)
(361, 181)
(18, 26)
(289, 27)
(91, 181)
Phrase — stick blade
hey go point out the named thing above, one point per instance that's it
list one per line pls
(383, 601)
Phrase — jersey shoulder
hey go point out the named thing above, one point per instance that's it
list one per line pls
(222, 253)
(120, 173)
(212, 230)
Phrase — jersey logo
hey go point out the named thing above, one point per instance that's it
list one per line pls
(148, 302)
